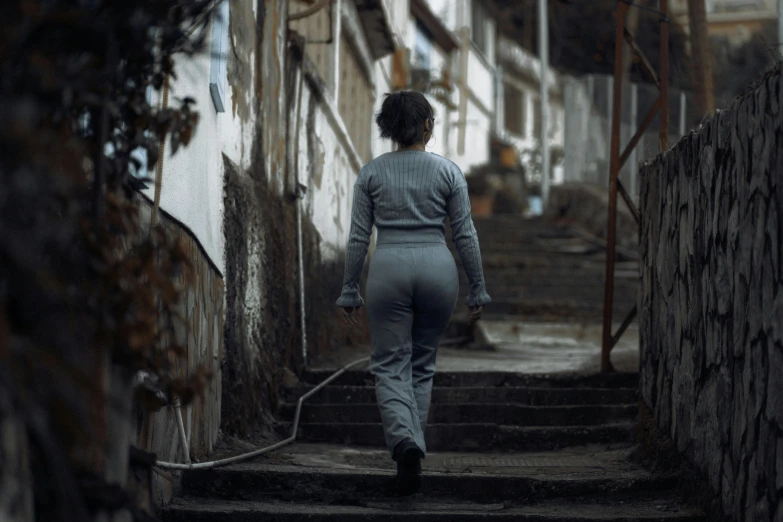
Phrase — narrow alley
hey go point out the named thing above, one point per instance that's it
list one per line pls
(233, 233)
(522, 426)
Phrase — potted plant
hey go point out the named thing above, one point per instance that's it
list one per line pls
(482, 195)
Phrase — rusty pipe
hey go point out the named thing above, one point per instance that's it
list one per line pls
(309, 11)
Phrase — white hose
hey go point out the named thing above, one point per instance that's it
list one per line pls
(183, 438)
(261, 451)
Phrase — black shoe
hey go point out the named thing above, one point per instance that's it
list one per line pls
(408, 457)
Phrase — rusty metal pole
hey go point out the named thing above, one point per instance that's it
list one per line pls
(701, 57)
(663, 137)
(614, 167)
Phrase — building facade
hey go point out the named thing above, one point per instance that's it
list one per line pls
(735, 20)
(287, 91)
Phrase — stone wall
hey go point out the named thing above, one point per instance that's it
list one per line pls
(202, 333)
(711, 305)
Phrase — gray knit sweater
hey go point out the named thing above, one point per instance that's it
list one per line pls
(408, 195)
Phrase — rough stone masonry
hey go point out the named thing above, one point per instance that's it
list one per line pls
(711, 306)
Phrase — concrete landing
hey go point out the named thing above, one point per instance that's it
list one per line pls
(187, 510)
(330, 482)
(582, 462)
(520, 346)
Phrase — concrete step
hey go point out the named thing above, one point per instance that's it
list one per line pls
(260, 481)
(544, 289)
(565, 308)
(522, 257)
(544, 396)
(208, 510)
(492, 379)
(506, 291)
(566, 277)
(505, 414)
(472, 436)
(524, 304)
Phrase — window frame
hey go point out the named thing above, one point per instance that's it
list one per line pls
(478, 26)
(521, 116)
(422, 40)
(218, 77)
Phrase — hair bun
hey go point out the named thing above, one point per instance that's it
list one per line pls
(403, 117)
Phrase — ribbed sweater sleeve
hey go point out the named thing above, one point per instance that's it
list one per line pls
(463, 233)
(358, 243)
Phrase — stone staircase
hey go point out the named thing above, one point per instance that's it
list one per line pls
(537, 268)
(502, 447)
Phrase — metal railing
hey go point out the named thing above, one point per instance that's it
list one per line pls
(617, 159)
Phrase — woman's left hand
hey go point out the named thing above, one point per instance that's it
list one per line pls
(349, 314)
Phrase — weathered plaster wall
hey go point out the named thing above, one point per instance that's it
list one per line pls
(711, 305)
(262, 334)
(202, 335)
(327, 167)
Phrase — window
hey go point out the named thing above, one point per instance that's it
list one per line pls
(422, 48)
(514, 110)
(537, 118)
(478, 19)
(421, 59)
(219, 52)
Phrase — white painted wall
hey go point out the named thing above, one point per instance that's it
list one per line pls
(481, 79)
(192, 187)
(477, 130)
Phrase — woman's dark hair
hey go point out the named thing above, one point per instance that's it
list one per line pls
(403, 117)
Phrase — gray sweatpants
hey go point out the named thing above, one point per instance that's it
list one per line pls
(411, 293)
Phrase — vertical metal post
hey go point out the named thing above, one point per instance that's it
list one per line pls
(779, 47)
(634, 125)
(500, 123)
(336, 41)
(595, 176)
(463, 89)
(682, 113)
(663, 137)
(543, 50)
(611, 237)
(299, 195)
(610, 111)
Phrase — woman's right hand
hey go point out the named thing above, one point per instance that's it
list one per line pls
(475, 314)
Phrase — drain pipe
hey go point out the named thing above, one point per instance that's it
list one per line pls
(299, 193)
(261, 451)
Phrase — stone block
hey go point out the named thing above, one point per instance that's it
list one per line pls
(779, 468)
(774, 391)
(738, 422)
(725, 406)
(728, 487)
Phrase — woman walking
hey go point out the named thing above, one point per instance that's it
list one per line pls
(413, 284)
